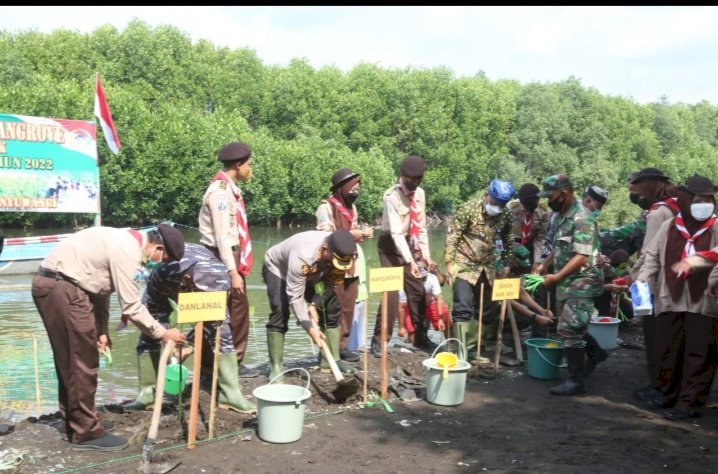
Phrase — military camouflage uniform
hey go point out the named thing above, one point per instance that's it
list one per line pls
(476, 244)
(628, 234)
(199, 270)
(576, 233)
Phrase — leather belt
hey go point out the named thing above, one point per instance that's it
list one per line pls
(51, 274)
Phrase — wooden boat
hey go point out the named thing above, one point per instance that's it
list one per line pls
(22, 255)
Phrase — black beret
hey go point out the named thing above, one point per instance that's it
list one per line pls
(172, 240)
(413, 167)
(234, 151)
(342, 246)
(341, 177)
(699, 185)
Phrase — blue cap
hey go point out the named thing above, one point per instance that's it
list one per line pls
(501, 191)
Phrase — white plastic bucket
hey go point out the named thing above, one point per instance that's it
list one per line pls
(605, 333)
(449, 390)
(280, 410)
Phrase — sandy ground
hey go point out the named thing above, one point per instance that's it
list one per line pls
(508, 422)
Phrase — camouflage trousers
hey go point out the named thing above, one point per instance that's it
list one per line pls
(147, 344)
(573, 320)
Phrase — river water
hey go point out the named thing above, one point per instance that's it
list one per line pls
(28, 384)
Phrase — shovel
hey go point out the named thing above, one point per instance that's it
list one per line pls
(149, 447)
(345, 388)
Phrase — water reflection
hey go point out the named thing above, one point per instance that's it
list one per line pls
(26, 348)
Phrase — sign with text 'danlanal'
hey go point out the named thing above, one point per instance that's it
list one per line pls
(201, 306)
(506, 289)
(386, 279)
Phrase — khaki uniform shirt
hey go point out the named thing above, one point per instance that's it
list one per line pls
(103, 260)
(539, 226)
(476, 241)
(325, 217)
(218, 220)
(654, 220)
(395, 220)
(290, 260)
(654, 265)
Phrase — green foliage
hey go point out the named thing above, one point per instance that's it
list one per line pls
(175, 102)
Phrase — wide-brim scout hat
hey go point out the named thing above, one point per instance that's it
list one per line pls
(172, 240)
(343, 248)
(646, 174)
(341, 177)
(555, 183)
(699, 185)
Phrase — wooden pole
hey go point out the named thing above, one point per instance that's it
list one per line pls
(194, 401)
(478, 335)
(215, 370)
(498, 334)
(366, 354)
(384, 379)
(37, 378)
(548, 307)
(515, 333)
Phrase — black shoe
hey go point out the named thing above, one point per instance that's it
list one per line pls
(348, 356)
(676, 414)
(109, 442)
(107, 425)
(247, 373)
(427, 346)
(660, 403)
(647, 393)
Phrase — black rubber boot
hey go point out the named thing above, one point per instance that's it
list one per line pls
(574, 383)
(595, 354)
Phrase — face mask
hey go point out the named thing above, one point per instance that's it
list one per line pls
(530, 205)
(555, 205)
(151, 264)
(411, 187)
(702, 210)
(351, 197)
(639, 201)
(492, 210)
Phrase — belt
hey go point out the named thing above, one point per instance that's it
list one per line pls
(235, 248)
(50, 274)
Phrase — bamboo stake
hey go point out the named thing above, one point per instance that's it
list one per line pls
(194, 401)
(504, 303)
(215, 370)
(384, 379)
(366, 360)
(478, 335)
(548, 307)
(515, 334)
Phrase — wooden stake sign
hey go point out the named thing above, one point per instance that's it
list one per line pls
(384, 280)
(504, 290)
(196, 308)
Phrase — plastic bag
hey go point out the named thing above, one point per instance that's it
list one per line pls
(641, 298)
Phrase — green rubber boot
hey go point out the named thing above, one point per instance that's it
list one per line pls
(275, 343)
(460, 331)
(147, 364)
(230, 392)
(333, 339)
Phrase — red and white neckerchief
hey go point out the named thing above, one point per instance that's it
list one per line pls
(246, 259)
(347, 213)
(413, 217)
(690, 249)
(709, 255)
(526, 226)
(671, 202)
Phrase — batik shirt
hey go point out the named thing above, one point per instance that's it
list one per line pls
(475, 241)
(577, 233)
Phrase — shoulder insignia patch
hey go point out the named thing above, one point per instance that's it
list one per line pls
(221, 205)
(222, 185)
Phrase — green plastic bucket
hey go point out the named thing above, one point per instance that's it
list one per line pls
(605, 332)
(175, 378)
(544, 360)
(280, 410)
(449, 390)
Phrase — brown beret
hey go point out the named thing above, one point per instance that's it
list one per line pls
(413, 167)
(172, 240)
(234, 151)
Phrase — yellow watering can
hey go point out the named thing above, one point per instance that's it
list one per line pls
(446, 360)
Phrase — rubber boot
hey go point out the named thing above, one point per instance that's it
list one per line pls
(147, 364)
(275, 344)
(460, 331)
(333, 340)
(230, 392)
(574, 383)
(595, 354)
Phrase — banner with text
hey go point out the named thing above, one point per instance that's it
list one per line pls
(48, 165)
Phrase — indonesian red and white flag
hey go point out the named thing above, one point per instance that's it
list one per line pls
(102, 112)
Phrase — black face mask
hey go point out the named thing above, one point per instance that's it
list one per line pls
(530, 205)
(411, 187)
(556, 205)
(639, 201)
(351, 197)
